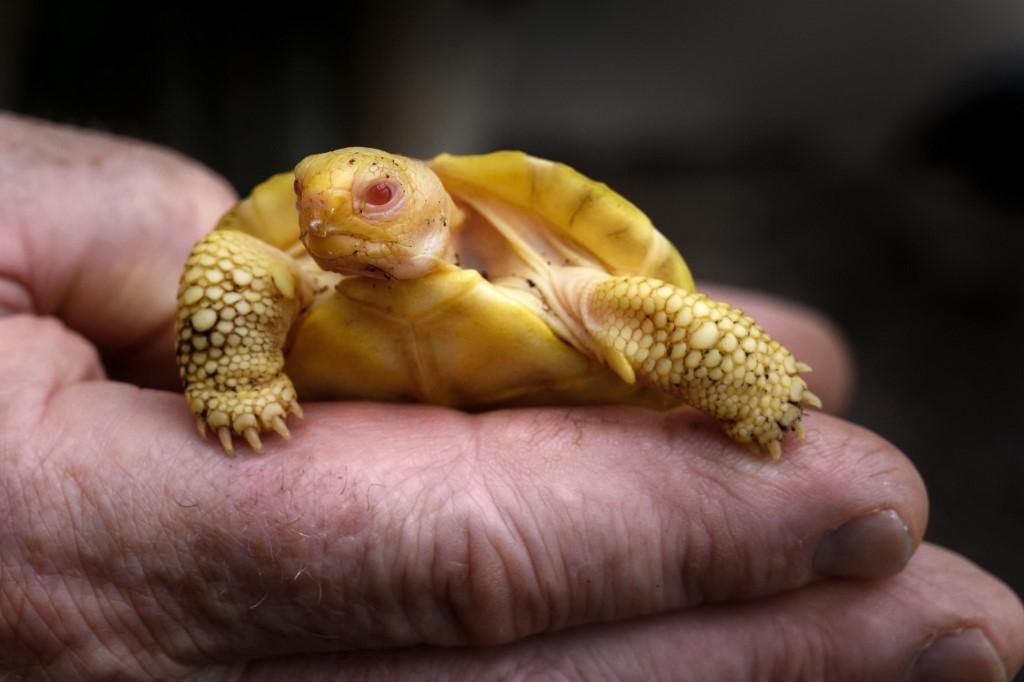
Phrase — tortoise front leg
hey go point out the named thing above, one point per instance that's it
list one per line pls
(702, 351)
(237, 301)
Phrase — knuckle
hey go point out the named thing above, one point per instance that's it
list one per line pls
(475, 542)
(486, 568)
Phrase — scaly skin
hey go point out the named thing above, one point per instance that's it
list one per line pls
(237, 300)
(704, 352)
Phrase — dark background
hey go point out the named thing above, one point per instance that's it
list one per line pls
(861, 157)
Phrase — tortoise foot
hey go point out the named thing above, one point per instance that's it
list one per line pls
(704, 352)
(245, 413)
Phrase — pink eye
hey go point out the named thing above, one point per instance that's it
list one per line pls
(378, 194)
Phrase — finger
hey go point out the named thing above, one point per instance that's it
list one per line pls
(942, 618)
(400, 526)
(811, 337)
(95, 229)
(39, 357)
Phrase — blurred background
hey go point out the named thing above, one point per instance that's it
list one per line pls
(864, 158)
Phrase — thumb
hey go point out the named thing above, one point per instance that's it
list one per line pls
(94, 230)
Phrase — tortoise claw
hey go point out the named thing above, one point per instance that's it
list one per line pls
(224, 434)
(251, 420)
(278, 425)
(811, 399)
(253, 438)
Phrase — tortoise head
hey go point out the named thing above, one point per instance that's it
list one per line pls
(367, 212)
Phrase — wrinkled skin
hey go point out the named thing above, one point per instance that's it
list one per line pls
(128, 548)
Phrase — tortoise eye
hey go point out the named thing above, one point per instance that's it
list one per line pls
(298, 188)
(378, 194)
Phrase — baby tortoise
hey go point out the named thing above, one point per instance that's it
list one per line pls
(470, 281)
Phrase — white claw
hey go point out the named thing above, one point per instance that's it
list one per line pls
(201, 426)
(279, 426)
(774, 449)
(253, 438)
(811, 399)
(803, 367)
(296, 410)
(800, 431)
(224, 434)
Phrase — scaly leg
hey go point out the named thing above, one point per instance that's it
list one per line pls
(702, 351)
(237, 301)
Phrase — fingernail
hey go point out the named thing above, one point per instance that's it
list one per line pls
(873, 546)
(965, 655)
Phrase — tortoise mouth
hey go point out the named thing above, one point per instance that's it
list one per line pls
(335, 244)
(354, 255)
(351, 254)
(327, 225)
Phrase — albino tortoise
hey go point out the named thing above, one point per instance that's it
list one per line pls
(470, 281)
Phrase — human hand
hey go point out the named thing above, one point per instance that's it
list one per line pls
(131, 548)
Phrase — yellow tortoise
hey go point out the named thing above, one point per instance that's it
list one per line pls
(470, 281)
